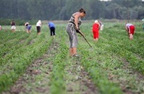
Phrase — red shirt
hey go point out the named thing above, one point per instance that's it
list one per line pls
(96, 27)
(95, 30)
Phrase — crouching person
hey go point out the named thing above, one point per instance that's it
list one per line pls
(51, 26)
(130, 28)
(28, 27)
(13, 26)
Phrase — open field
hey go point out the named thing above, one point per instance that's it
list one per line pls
(31, 64)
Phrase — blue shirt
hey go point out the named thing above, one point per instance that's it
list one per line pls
(51, 24)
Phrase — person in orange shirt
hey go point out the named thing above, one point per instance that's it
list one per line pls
(95, 30)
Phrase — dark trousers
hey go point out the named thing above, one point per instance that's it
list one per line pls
(38, 29)
(52, 31)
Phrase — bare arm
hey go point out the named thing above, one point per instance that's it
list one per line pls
(76, 20)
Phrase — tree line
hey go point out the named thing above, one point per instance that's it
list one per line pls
(63, 9)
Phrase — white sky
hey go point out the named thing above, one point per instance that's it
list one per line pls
(110, 0)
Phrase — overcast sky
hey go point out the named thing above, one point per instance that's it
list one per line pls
(110, 0)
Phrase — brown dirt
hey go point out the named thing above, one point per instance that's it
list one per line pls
(31, 42)
(22, 41)
(90, 85)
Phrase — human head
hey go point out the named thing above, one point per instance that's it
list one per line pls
(82, 12)
(27, 23)
(96, 21)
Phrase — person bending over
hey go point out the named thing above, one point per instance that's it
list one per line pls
(28, 27)
(38, 26)
(130, 28)
(51, 26)
(13, 26)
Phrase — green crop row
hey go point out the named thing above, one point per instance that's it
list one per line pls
(7, 36)
(97, 74)
(22, 50)
(57, 76)
(112, 48)
(10, 49)
(12, 44)
(20, 60)
(132, 51)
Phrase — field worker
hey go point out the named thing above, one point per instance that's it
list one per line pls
(28, 27)
(13, 26)
(0, 27)
(130, 28)
(143, 26)
(51, 26)
(38, 26)
(95, 30)
(101, 25)
(72, 28)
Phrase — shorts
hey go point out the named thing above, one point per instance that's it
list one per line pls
(72, 35)
(132, 29)
(38, 29)
(28, 27)
(13, 27)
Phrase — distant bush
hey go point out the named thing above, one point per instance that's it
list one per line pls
(18, 21)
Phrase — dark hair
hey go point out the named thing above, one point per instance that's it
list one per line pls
(82, 11)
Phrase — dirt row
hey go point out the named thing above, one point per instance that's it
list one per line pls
(77, 79)
(130, 80)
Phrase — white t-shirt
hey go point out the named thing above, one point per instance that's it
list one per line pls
(38, 23)
(128, 25)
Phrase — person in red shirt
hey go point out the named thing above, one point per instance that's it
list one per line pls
(95, 30)
(130, 28)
